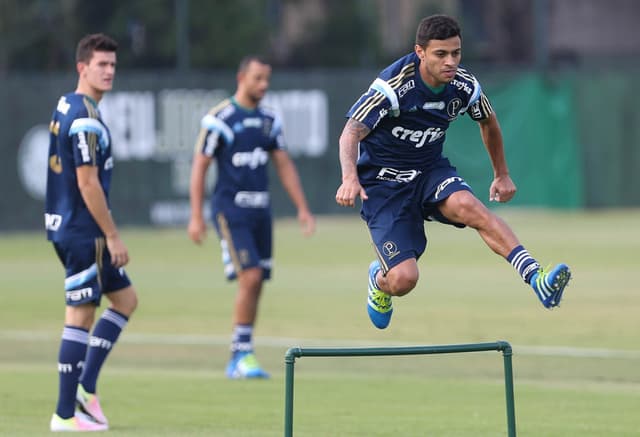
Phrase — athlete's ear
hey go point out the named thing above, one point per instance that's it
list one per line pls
(239, 76)
(80, 67)
(419, 51)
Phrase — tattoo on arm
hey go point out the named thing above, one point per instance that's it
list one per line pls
(353, 132)
(357, 129)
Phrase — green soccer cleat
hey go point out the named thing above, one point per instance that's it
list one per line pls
(549, 285)
(379, 306)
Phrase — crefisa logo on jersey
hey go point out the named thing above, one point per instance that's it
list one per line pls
(252, 159)
(418, 137)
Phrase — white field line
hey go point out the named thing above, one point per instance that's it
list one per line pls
(284, 342)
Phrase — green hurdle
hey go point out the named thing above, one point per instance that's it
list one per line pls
(297, 352)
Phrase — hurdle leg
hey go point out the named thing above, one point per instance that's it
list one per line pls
(508, 386)
(290, 361)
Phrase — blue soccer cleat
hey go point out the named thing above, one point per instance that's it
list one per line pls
(549, 286)
(379, 304)
(244, 365)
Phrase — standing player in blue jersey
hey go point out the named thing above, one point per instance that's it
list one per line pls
(391, 157)
(241, 136)
(80, 226)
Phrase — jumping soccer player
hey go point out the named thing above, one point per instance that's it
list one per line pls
(391, 157)
(79, 224)
(241, 136)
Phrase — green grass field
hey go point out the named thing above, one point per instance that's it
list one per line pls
(576, 368)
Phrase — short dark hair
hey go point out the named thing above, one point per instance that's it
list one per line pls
(95, 42)
(436, 27)
(244, 62)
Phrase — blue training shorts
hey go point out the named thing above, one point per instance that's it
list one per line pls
(89, 272)
(246, 241)
(399, 201)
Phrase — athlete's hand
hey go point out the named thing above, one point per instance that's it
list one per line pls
(307, 222)
(502, 189)
(197, 229)
(117, 250)
(348, 191)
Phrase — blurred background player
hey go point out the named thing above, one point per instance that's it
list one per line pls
(79, 223)
(241, 136)
(391, 156)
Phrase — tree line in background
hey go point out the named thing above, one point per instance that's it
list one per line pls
(40, 35)
(195, 34)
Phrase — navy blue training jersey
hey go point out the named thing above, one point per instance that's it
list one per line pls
(77, 137)
(408, 119)
(239, 139)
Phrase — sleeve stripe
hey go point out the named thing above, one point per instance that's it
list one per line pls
(365, 109)
(92, 138)
(211, 123)
(364, 104)
(486, 105)
(202, 135)
(383, 89)
(223, 104)
(95, 134)
(90, 125)
(482, 109)
(465, 74)
(211, 143)
(276, 129)
(407, 71)
(477, 92)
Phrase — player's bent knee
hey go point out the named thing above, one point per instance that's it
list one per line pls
(401, 285)
(465, 208)
(133, 303)
(468, 204)
(124, 301)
